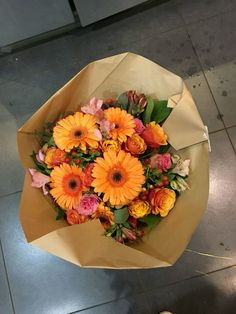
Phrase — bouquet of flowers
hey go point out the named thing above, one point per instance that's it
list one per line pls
(117, 150)
(111, 161)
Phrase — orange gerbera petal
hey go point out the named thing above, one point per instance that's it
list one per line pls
(119, 183)
(67, 185)
(76, 130)
(123, 122)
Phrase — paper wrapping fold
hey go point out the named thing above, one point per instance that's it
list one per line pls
(86, 244)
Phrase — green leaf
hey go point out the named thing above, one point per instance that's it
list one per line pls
(160, 111)
(151, 220)
(171, 176)
(164, 149)
(123, 100)
(148, 110)
(121, 215)
(60, 213)
(111, 230)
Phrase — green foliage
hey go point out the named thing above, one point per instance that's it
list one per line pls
(123, 101)
(60, 213)
(164, 149)
(160, 111)
(148, 110)
(121, 215)
(150, 220)
(42, 167)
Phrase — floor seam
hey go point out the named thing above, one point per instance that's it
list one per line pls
(10, 194)
(153, 289)
(7, 278)
(207, 82)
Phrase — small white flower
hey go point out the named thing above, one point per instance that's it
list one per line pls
(182, 167)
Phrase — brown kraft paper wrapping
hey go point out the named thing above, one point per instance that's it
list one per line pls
(85, 244)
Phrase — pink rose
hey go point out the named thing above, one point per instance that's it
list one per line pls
(39, 180)
(94, 106)
(87, 204)
(161, 161)
(139, 127)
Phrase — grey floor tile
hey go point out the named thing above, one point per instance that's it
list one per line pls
(222, 81)
(43, 284)
(11, 170)
(215, 233)
(232, 134)
(214, 293)
(172, 50)
(205, 102)
(214, 39)
(154, 20)
(5, 300)
(135, 304)
(193, 11)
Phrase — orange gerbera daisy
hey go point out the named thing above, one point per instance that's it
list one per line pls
(119, 176)
(67, 185)
(76, 130)
(123, 123)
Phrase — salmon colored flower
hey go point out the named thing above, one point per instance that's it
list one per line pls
(110, 145)
(73, 217)
(154, 135)
(161, 161)
(123, 123)
(139, 127)
(135, 145)
(40, 156)
(119, 176)
(94, 106)
(138, 208)
(88, 204)
(78, 130)
(88, 179)
(105, 215)
(162, 201)
(54, 157)
(39, 180)
(67, 185)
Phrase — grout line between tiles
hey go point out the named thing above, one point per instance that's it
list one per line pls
(10, 194)
(207, 82)
(153, 289)
(8, 283)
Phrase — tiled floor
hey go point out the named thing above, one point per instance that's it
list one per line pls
(195, 39)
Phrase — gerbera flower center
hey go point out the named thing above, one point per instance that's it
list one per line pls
(117, 176)
(72, 184)
(78, 133)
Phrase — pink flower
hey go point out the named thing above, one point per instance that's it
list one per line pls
(88, 204)
(139, 127)
(98, 134)
(161, 161)
(39, 180)
(40, 156)
(105, 127)
(94, 106)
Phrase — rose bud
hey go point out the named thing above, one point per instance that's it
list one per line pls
(135, 145)
(154, 135)
(162, 201)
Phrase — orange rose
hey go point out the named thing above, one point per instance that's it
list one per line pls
(135, 145)
(154, 135)
(54, 157)
(162, 201)
(73, 217)
(110, 145)
(139, 208)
